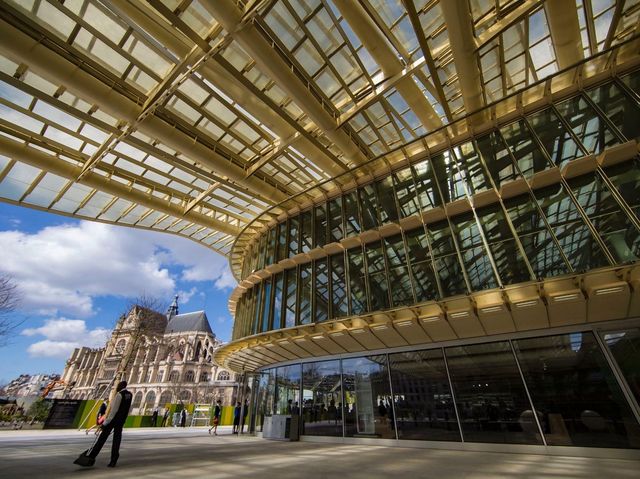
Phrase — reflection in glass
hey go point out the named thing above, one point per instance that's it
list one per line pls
(424, 278)
(368, 411)
(554, 137)
(321, 290)
(474, 256)
(304, 303)
(576, 392)
(369, 204)
(277, 301)
(625, 348)
(472, 167)
(528, 156)
(266, 394)
(320, 226)
(626, 178)
(386, 200)
(622, 110)
(306, 233)
(352, 214)
(293, 236)
(336, 231)
(490, 396)
(422, 396)
(378, 282)
(290, 298)
(266, 302)
(497, 158)
(339, 304)
(451, 181)
(322, 399)
(357, 285)
(406, 192)
(426, 190)
(288, 389)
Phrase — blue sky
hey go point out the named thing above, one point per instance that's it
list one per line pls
(76, 277)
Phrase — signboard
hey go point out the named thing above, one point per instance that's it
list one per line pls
(62, 414)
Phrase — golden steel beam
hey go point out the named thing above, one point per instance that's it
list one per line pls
(382, 52)
(562, 17)
(21, 48)
(21, 152)
(502, 24)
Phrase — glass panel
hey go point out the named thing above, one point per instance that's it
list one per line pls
(587, 125)
(367, 400)
(352, 215)
(259, 302)
(422, 396)
(378, 284)
(320, 230)
(306, 234)
(261, 251)
(632, 80)
(626, 178)
(406, 192)
(496, 157)
(472, 167)
(304, 282)
(322, 399)
(575, 392)
(386, 200)
(621, 109)
(426, 189)
(321, 290)
(277, 302)
(294, 234)
(446, 262)
(491, 398)
(282, 249)
(336, 230)
(368, 207)
(554, 137)
(575, 239)
(271, 247)
(625, 347)
(451, 181)
(266, 300)
(266, 394)
(612, 224)
(474, 255)
(528, 156)
(290, 298)
(339, 306)
(288, 389)
(357, 288)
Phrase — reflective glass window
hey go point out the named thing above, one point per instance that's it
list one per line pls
(306, 231)
(277, 301)
(626, 178)
(445, 259)
(320, 226)
(529, 157)
(632, 80)
(508, 259)
(555, 138)
(539, 244)
(304, 303)
(322, 399)
(406, 192)
(336, 229)
(339, 303)
(422, 396)
(620, 108)
(497, 159)
(490, 396)
(266, 305)
(266, 394)
(259, 303)
(261, 251)
(474, 255)
(321, 290)
(367, 398)
(357, 288)
(378, 283)
(290, 298)
(282, 248)
(386, 200)
(426, 189)
(451, 182)
(575, 392)
(578, 244)
(369, 207)
(587, 125)
(625, 348)
(288, 389)
(352, 214)
(472, 167)
(612, 224)
(294, 234)
(271, 247)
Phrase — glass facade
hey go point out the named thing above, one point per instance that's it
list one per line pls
(558, 390)
(573, 224)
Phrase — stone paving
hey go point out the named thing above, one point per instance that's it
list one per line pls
(192, 453)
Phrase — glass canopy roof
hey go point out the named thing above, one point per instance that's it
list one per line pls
(193, 117)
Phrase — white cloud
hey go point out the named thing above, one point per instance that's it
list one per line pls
(185, 296)
(61, 269)
(62, 336)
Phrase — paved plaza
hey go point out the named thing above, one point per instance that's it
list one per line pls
(178, 453)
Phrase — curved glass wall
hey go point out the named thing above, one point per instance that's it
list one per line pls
(572, 225)
(558, 390)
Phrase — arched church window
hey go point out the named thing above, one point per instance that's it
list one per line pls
(137, 399)
(150, 399)
(174, 377)
(159, 376)
(223, 376)
(165, 398)
(189, 376)
(204, 377)
(120, 345)
(185, 395)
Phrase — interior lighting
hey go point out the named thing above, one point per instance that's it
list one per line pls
(492, 309)
(430, 319)
(402, 324)
(615, 289)
(460, 314)
(565, 297)
(526, 304)
(357, 331)
(380, 327)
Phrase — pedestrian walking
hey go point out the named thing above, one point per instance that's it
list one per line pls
(154, 417)
(165, 416)
(236, 417)
(114, 422)
(183, 418)
(217, 412)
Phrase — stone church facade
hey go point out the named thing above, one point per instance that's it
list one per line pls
(170, 361)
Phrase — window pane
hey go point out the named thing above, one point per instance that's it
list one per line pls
(352, 215)
(282, 242)
(321, 290)
(528, 156)
(378, 284)
(322, 399)
(293, 236)
(304, 282)
(406, 192)
(451, 181)
(320, 230)
(386, 200)
(288, 389)
(496, 157)
(626, 178)
(369, 207)
(290, 301)
(357, 289)
(339, 306)
(277, 301)
(336, 231)
(271, 247)
(367, 398)
(265, 404)
(472, 167)
(266, 301)
(259, 303)
(306, 236)
(422, 395)
(474, 255)
(625, 347)
(575, 391)
(426, 189)
(491, 398)
(554, 137)
(621, 109)
(590, 129)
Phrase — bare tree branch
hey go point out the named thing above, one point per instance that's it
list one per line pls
(9, 299)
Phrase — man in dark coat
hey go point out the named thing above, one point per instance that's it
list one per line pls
(114, 422)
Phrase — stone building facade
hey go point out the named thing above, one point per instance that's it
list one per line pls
(170, 360)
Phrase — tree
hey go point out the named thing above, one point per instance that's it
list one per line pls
(8, 303)
(39, 410)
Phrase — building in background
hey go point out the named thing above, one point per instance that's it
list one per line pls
(170, 361)
(27, 385)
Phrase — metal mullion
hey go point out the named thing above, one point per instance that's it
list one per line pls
(591, 33)
(624, 206)
(603, 116)
(453, 394)
(568, 129)
(617, 372)
(526, 390)
(393, 399)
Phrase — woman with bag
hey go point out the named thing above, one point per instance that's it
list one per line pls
(217, 412)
